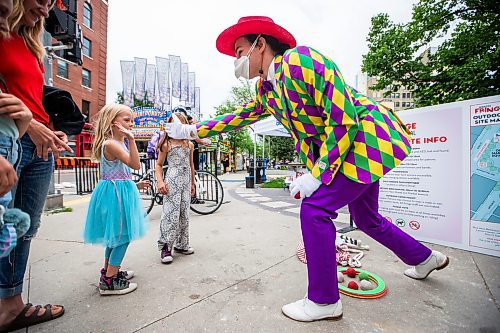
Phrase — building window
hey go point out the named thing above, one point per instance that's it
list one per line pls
(397, 104)
(87, 14)
(86, 108)
(62, 69)
(86, 78)
(408, 95)
(87, 47)
(404, 95)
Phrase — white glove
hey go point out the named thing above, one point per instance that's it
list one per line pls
(178, 130)
(206, 142)
(306, 185)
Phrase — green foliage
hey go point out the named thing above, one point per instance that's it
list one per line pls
(240, 140)
(59, 210)
(137, 102)
(282, 148)
(275, 183)
(464, 64)
(119, 98)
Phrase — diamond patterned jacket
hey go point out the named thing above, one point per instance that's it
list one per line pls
(353, 134)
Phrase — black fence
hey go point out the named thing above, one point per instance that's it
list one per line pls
(86, 175)
(207, 162)
(86, 171)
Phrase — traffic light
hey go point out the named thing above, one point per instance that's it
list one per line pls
(74, 54)
(62, 25)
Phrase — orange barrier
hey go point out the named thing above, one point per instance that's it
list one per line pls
(65, 163)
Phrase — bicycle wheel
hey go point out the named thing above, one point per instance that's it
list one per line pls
(147, 196)
(209, 193)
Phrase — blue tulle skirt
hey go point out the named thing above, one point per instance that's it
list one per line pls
(115, 215)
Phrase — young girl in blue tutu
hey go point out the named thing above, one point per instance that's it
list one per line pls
(115, 215)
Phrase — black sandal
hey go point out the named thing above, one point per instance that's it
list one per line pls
(23, 321)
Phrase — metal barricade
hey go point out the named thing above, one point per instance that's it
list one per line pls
(208, 161)
(86, 175)
(146, 164)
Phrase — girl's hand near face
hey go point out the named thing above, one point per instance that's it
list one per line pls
(124, 131)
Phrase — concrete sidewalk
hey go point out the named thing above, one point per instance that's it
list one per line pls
(243, 271)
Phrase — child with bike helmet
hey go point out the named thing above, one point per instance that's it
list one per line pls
(177, 186)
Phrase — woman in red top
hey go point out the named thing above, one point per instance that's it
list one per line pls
(21, 56)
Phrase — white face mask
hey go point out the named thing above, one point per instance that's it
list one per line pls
(242, 65)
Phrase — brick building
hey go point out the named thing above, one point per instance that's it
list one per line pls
(400, 100)
(87, 83)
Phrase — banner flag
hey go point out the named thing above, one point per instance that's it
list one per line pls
(127, 81)
(175, 72)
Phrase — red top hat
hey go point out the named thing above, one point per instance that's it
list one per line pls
(252, 25)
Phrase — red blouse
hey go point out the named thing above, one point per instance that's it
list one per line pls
(23, 75)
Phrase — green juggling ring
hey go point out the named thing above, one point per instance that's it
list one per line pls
(377, 292)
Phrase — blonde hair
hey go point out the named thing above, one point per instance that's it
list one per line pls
(103, 126)
(182, 117)
(32, 36)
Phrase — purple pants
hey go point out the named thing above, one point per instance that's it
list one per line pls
(318, 232)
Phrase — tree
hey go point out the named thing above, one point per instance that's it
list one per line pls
(137, 102)
(463, 65)
(282, 148)
(240, 140)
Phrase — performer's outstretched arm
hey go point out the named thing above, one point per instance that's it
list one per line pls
(241, 117)
(312, 76)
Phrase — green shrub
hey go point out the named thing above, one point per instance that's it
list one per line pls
(275, 183)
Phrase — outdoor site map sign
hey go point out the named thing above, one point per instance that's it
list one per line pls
(485, 175)
(447, 191)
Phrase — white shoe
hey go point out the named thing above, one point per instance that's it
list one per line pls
(436, 260)
(167, 259)
(189, 251)
(127, 275)
(306, 310)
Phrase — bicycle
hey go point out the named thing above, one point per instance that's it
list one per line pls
(209, 192)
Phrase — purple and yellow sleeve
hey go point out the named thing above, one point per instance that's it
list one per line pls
(241, 117)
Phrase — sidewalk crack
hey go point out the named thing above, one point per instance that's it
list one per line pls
(60, 240)
(486, 284)
(213, 294)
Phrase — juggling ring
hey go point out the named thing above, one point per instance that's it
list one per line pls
(378, 292)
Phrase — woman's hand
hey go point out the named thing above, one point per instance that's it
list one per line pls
(8, 176)
(47, 141)
(162, 188)
(193, 190)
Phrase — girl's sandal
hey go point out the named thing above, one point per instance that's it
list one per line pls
(22, 321)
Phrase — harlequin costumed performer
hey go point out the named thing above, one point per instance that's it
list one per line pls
(347, 141)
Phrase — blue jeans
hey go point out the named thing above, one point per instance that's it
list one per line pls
(29, 195)
(10, 150)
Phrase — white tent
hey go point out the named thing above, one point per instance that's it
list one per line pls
(270, 126)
